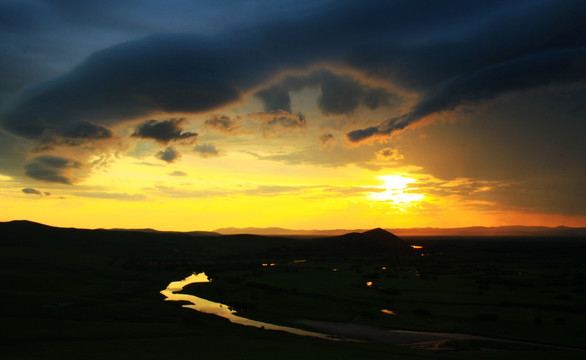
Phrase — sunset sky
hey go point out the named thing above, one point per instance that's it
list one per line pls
(321, 114)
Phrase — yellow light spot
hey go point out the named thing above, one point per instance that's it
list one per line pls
(416, 247)
(393, 191)
(389, 312)
(384, 268)
(369, 283)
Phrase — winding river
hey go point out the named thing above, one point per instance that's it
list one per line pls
(344, 331)
(209, 307)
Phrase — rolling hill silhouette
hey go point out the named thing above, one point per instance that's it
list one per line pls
(372, 241)
(376, 241)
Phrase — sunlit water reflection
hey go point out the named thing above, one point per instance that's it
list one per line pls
(209, 307)
(345, 331)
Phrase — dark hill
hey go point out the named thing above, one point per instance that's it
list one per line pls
(139, 244)
(375, 241)
(23, 225)
(379, 233)
(134, 245)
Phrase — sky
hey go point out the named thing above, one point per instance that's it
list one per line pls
(322, 114)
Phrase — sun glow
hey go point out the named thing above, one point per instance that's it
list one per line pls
(393, 191)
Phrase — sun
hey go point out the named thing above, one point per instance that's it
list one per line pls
(393, 191)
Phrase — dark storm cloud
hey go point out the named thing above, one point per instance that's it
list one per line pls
(206, 150)
(18, 21)
(56, 162)
(275, 98)
(77, 134)
(164, 131)
(47, 143)
(43, 39)
(550, 68)
(52, 169)
(87, 130)
(32, 191)
(221, 123)
(441, 52)
(169, 154)
(340, 94)
(169, 73)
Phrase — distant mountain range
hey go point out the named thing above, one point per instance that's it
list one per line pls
(463, 231)
(137, 241)
(149, 230)
(277, 231)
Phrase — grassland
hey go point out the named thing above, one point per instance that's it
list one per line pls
(95, 294)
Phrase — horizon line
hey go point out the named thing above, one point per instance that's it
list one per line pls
(500, 230)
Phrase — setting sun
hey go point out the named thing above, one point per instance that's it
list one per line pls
(210, 123)
(394, 191)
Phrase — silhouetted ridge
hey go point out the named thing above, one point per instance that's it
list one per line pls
(25, 224)
(18, 228)
(369, 242)
(379, 233)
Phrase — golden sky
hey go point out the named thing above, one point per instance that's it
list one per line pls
(284, 122)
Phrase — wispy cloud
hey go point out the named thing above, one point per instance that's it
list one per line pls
(32, 191)
(110, 195)
(222, 123)
(327, 139)
(206, 150)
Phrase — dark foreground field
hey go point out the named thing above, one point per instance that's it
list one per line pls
(81, 294)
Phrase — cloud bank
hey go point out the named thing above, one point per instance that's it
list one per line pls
(188, 73)
(463, 53)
